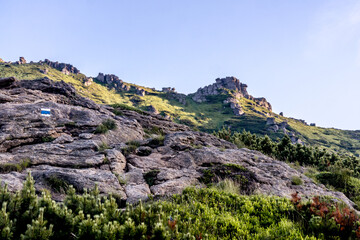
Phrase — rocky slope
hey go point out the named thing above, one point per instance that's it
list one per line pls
(144, 155)
(224, 103)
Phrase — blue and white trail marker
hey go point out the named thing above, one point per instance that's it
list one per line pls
(45, 112)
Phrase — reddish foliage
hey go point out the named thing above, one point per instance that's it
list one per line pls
(198, 237)
(172, 224)
(346, 218)
(319, 208)
(358, 232)
(296, 200)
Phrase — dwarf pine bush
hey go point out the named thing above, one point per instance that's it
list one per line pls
(205, 213)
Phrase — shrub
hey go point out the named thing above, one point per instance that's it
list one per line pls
(205, 213)
(295, 180)
(105, 126)
(150, 177)
(229, 186)
(103, 146)
(57, 184)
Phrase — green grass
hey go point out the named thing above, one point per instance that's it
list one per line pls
(15, 167)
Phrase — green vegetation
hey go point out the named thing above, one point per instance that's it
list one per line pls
(296, 180)
(150, 177)
(57, 184)
(207, 213)
(47, 139)
(130, 148)
(157, 141)
(105, 126)
(18, 167)
(333, 170)
(102, 147)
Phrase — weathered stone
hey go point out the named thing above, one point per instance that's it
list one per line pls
(63, 67)
(143, 151)
(5, 82)
(153, 110)
(88, 82)
(86, 135)
(22, 60)
(270, 121)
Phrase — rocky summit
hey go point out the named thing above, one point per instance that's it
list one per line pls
(62, 138)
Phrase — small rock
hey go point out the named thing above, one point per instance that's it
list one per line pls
(22, 60)
(153, 110)
(143, 151)
(86, 135)
(64, 138)
(5, 82)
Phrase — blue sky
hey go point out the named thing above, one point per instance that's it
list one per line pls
(302, 55)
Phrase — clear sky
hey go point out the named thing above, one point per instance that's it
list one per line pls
(302, 55)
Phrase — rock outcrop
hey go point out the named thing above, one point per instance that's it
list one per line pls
(113, 81)
(64, 148)
(223, 86)
(22, 60)
(63, 67)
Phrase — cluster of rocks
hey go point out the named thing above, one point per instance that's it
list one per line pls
(273, 126)
(300, 120)
(22, 60)
(63, 67)
(238, 90)
(168, 90)
(235, 106)
(63, 146)
(230, 83)
(88, 81)
(171, 94)
(113, 81)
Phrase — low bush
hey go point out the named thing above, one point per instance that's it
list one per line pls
(105, 126)
(195, 214)
(295, 180)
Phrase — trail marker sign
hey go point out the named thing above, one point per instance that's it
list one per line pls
(45, 112)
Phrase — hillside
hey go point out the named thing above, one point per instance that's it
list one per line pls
(224, 103)
(97, 162)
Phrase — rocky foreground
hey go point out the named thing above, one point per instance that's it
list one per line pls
(132, 161)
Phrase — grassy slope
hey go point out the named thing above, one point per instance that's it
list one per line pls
(204, 116)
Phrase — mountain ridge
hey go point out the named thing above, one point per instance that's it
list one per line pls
(224, 103)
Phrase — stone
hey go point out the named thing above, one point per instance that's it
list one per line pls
(64, 138)
(86, 135)
(5, 82)
(88, 82)
(281, 114)
(22, 60)
(143, 151)
(153, 110)
(270, 121)
(222, 85)
(44, 71)
(140, 92)
(63, 67)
